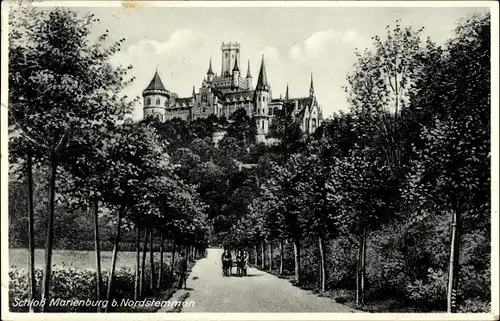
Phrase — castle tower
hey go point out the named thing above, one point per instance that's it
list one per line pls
(262, 103)
(230, 53)
(287, 97)
(249, 77)
(210, 73)
(156, 99)
(236, 73)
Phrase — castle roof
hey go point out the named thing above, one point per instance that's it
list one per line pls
(303, 104)
(183, 102)
(262, 83)
(238, 96)
(156, 83)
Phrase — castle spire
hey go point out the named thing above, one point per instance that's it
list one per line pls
(248, 70)
(194, 93)
(311, 88)
(262, 80)
(235, 68)
(286, 93)
(210, 72)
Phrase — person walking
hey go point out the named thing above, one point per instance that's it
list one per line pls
(246, 257)
(181, 270)
(227, 262)
(239, 264)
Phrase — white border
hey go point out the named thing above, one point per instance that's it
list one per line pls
(495, 161)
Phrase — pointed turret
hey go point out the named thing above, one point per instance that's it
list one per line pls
(248, 70)
(262, 83)
(311, 89)
(194, 92)
(210, 72)
(236, 68)
(286, 93)
(236, 73)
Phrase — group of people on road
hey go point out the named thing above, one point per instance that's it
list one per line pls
(241, 262)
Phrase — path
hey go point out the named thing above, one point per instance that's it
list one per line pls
(257, 292)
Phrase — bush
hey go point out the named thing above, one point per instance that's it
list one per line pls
(74, 284)
(430, 293)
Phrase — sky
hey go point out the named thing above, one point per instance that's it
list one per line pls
(295, 42)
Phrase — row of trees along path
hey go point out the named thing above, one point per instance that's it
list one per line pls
(67, 117)
(415, 144)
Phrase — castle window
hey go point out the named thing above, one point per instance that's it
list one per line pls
(262, 124)
(148, 101)
(157, 101)
(226, 54)
(166, 102)
(270, 111)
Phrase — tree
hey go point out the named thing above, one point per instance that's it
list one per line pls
(452, 167)
(380, 87)
(242, 128)
(358, 184)
(61, 88)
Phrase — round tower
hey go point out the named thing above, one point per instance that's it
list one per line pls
(156, 99)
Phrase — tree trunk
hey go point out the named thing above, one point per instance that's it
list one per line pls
(97, 252)
(113, 259)
(172, 259)
(50, 235)
(143, 263)
(454, 263)
(256, 255)
(363, 267)
(360, 269)
(270, 256)
(358, 273)
(281, 256)
(296, 252)
(262, 256)
(151, 261)
(137, 262)
(322, 276)
(160, 269)
(31, 233)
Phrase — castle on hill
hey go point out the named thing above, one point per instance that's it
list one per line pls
(223, 94)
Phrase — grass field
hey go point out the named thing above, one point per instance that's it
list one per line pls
(18, 258)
